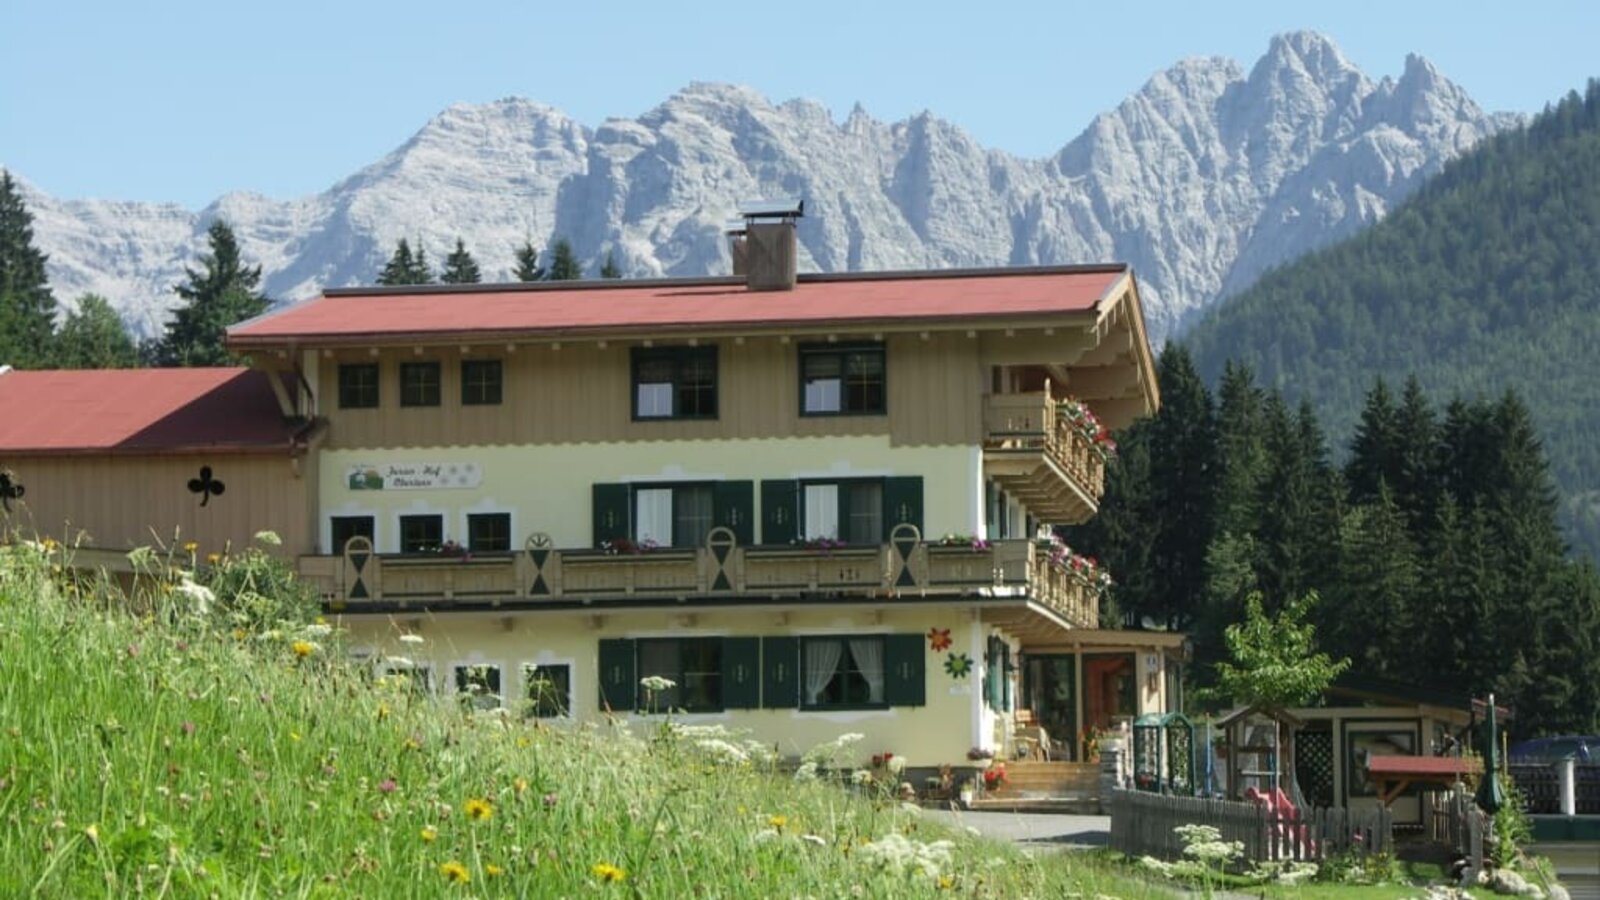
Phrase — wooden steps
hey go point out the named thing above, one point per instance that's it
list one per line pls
(1030, 783)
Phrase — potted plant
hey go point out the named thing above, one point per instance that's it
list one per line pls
(994, 777)
(982, 756)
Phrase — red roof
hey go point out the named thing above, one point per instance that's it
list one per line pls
(1422, 765)
(140, 411)
(669, 304)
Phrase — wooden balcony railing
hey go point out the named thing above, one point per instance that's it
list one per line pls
(1023, 431)
(540, 574)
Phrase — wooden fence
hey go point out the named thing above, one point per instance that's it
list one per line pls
(1144, 824)
(1453, 819)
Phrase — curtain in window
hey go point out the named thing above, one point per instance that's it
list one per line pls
(692, 511)
(868, 653)
(822, 511)
(653, 516)
(822, 663)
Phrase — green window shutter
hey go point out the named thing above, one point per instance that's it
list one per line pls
(734, 503)
(780, 672)
(1005, 676)
(779, 511)
(741, 673)
(611, 519)
(617, 689)
(991, 675)
(902, 502)
(905, 670)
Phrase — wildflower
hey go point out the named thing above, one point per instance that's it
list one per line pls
(429, 834)
(814, 839)
(777, 822)
(411, 639)
(318, 630)
(383, 711)
(477, 810)
(493, 871)
(387, 786)
(213, 558)
(190, 547)
(550, 800)
(93, 834)
(520, 785)
(238, 634)
(946, 882)
(656, 684)
(607, 872)
(303, 649)
(455, 873)
(270, 538)
(188, 728)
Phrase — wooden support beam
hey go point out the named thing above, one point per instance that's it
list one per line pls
(1115, 344)
(286, 405)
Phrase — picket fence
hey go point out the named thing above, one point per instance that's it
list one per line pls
(1144, 824)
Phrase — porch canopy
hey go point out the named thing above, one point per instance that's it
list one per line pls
(1393, 774)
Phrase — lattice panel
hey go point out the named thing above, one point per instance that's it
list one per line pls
(1313, 766)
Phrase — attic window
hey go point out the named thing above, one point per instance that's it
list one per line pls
(675, 383)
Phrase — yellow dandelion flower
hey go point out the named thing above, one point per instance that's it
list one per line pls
(303, 649)
(477, 810)
(778, 821)
(520, 785)
(190, 547)
(947, 882)
(607, 872)
(213, 558)
(522, 742)
(741, 809)
(455, 873)
(321, 620)
(429, 834)
(493, 871)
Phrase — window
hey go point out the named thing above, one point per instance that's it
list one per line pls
(421, 534)
(478, 686)
(547, 691)
(489, 532)
(693, 665)
(419, 384)
(358, 386)
(842, 380)
(677, 383)
(419, 677)
(480, 382)
(347, 527)
(673, 516)
(848, 511)
(842, 672)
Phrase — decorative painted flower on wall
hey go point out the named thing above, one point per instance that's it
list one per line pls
(939, 639)
(959, 665)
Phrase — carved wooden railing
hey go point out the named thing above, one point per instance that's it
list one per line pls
(1031, 422)
(905, 567)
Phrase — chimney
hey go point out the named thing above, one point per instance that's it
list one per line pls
(763, 243)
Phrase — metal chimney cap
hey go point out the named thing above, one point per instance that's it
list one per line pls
(775, 208)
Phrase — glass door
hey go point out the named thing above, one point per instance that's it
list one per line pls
(1050, 690)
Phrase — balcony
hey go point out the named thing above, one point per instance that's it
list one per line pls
(1040, 458)
(1014, 573)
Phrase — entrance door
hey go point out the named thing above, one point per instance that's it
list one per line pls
(1050, 690)
(1109, 688)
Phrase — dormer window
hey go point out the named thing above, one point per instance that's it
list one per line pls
(675, 383)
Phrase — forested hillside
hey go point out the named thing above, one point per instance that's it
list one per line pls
(1434, 549)
(1488, 279)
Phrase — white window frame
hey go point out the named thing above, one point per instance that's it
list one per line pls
(471, 662)
(571, 666)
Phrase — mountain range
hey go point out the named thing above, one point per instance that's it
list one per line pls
(1206, 177)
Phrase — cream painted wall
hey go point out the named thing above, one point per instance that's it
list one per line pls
(942, 731)
(547, 488)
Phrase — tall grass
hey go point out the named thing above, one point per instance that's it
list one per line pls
(206, 737)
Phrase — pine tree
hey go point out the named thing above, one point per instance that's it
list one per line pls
(1417, 487)
(460, 267)
(27, 306)
(1376, 617)
(610, 269)
(93, 337)
(1241, 454)
(225, 293)
(1122, 534)
(405, 267)
(1298, 502)
(1183, 449)
(528, 268)
(1230, 580)
(564, 265)
(1375, 452)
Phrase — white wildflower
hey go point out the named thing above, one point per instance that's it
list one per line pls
(270, 538)
(411, 639)
(860, 776)
(201, 595)
(399, 662)
(806, 772)
(767, 834)
(814, 839)
(899, 854)
(722, 752)
(895, 764)
(657, 684)
(318, 630)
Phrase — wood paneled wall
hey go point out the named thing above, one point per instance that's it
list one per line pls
(581, 393)
(123, 502)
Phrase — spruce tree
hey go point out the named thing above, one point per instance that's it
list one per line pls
(405, 267)
(1417, 486)
(564, 265)
(1183, 449)
(1376, 618)
(610, 269)
(225, 293)
(460, 267)
(1241, 453)
(1375, 453)
(1121, 536)
(93, 337)
(27, 306)
(528, 268)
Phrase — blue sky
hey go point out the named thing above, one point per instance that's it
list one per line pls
(182, 101)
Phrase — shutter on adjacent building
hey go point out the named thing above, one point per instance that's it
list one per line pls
(741, 673)
(902, 502)
(991, 675)
(734, 505)
(779, 511)
(610, 512)
(905, 670)
(618, 687)
(780, 672)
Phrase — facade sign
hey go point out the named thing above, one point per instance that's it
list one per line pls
(414, 476)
